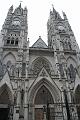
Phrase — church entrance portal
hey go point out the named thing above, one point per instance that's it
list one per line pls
(44, 105)
(5, 103)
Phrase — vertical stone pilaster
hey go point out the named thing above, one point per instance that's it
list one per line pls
(26, 106)
(16, 113)
(63, 105)
(18, 97)
(56, 63)
(17, 106)
(31, 111)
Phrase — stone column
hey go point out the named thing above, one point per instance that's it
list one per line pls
(26, 105)
(16, 107)
(31, 111)
(63, 105)
(18, 97)
(16, 113)
(44, 116)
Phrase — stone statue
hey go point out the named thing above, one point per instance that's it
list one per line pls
(22, 96)
(71, 73)
(1, 69)
(61, 70)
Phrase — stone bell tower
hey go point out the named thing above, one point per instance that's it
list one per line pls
(15, 28)
(61, 39)
(60, 34)
(14, 57)
(15, 32)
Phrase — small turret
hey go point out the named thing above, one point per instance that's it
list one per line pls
(54, 14)
(18, 10)
(10, 10)
(25, 11)
(52, 27)
(64, 15)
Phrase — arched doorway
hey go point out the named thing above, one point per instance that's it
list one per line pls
(5, 102)
(43, 102)
(77, 100)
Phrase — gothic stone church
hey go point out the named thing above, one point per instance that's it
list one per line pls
(41, 82)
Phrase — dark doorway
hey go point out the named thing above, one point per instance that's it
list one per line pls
(4, 112)
(5, 102)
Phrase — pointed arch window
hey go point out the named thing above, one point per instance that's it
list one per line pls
(43, 96)
(8, 64)
(12, 40)
(40, 63)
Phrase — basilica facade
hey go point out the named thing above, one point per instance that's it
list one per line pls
(41, 82)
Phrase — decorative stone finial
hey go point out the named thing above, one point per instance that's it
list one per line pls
(64, 15)
(39, 36)
(10, 9)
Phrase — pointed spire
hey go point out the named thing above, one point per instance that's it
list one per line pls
(51, 12)
(64, 15)
(55, 14)
(10, 9)
(18, 10)
(25, 8)
(25, 11)
(53, 8)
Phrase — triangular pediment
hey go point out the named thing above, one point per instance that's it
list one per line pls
(43, 73)
(39, 44)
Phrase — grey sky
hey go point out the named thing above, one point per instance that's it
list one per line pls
(38, 13)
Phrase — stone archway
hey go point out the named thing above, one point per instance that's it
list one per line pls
(52, 97)
(77, 100)
(5, 102)
(40, 63)
(43, 102)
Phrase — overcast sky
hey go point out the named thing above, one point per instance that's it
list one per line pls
(38, 13)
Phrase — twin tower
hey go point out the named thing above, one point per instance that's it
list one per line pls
(41, 82)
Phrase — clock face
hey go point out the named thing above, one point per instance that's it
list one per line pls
(61, 28)
(16, 22)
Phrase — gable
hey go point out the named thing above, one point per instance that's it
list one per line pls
(39, 43)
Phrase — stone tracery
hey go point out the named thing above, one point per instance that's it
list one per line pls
(40, 63)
